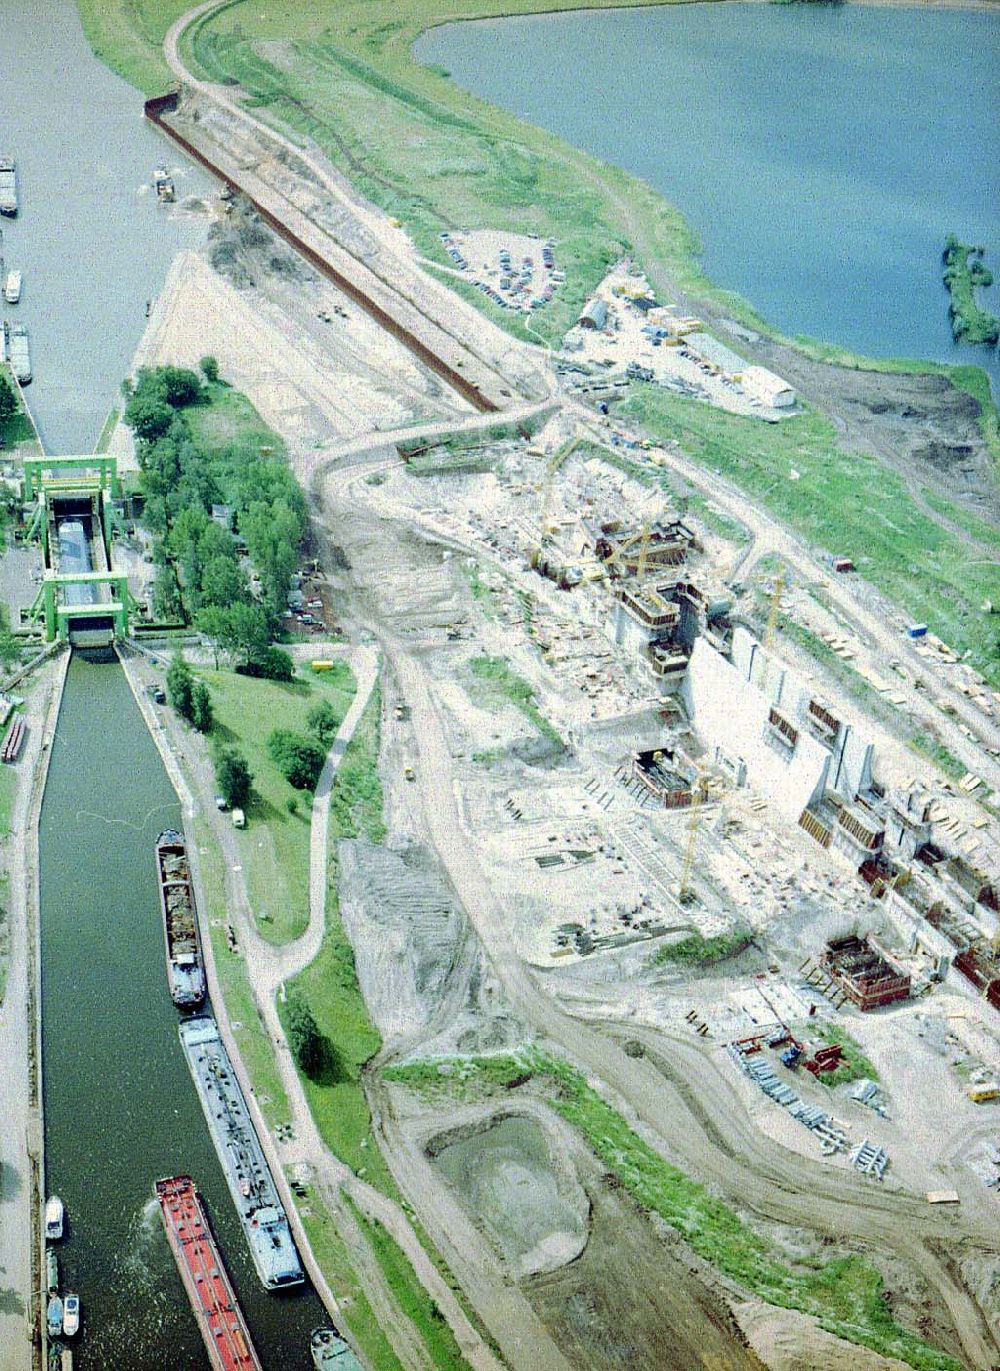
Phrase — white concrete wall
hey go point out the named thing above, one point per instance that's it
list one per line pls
(729, 712)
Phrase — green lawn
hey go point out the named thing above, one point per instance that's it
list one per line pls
(227, 418)
(845, 1294)
(854, 1065)
(842, 502)
(275, 843)
(698, 951)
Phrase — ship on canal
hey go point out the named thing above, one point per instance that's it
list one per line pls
(220, 1320)
(330, 1352)
(18, 351)
(163, 186)
(185, 969)
(248, 1175)
(8, 186)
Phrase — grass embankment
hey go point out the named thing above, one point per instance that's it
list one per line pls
(700, 952)
(226, 417)
(499, 680)
(965, 271)
(845, 1294)
(275, 846)
(854, 1065)
(842, 502)
(421, 1310)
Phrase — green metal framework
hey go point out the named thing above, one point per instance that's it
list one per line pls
(100, 464)
(94, 478)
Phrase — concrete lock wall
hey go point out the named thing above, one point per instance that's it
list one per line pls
(729, 712)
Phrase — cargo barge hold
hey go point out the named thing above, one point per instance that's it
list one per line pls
(220, 1320)
(248, 1175)
(185, 969)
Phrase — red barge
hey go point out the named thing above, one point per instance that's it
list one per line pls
(205, 1280)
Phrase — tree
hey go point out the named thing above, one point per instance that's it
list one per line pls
(273, 532)
(223, 582)
(181, 386)
(10, 647)
(297, 757)
(233, 777)
(238, 630)
(322, 720)
(309, 1048)
(209, 369)
(273, 664)
(8, 400)
(148, 414)
(180, 687)
(202, 715)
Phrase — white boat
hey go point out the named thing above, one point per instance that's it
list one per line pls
(12, 287)
(54, 1217)
(71, 1315)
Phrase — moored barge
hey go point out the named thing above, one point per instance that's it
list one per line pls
(8, 186)
(248, 1175)
(185, 968)
(220, 1320)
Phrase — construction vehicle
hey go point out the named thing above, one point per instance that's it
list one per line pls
(791, 1055)
(982, 1094)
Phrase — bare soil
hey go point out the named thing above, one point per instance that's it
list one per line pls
(635, 1298)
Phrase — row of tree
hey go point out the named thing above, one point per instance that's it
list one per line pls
(199, 577)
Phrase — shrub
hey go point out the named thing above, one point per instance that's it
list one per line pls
(273, 664)
(322, 721)
(298, 758)
(209, 369)
(201, 708)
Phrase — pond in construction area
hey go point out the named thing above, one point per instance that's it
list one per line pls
(821, 152)
(90, 238)
(120, 1107)
(504, 1176)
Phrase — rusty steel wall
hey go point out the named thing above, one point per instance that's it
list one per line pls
(159, 105)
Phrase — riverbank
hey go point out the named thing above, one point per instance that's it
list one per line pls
(21, 1135)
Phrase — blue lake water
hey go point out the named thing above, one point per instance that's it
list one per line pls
(821, 153)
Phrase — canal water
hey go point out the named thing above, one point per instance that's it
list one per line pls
(821, 152)
(90, 238)
(120, 1107)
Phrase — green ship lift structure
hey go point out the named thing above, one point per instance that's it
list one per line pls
(82, 599)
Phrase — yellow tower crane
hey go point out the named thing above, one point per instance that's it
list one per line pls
(684, 890)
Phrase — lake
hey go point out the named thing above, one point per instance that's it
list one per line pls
(821, 152)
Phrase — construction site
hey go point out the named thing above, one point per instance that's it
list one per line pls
(665, 904)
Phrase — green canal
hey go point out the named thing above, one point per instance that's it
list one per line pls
(120, 1107)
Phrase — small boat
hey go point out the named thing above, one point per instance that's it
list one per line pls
(330, 1352)
(52, 1270)
(54, 1316)
(12, 287)
(164, 186)
(54, 1218)
(71, 1316)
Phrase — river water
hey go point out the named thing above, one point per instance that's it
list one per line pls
(92, 241)
(120, 1107)
(821, 152)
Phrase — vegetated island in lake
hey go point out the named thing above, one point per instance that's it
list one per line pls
(964, 270)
